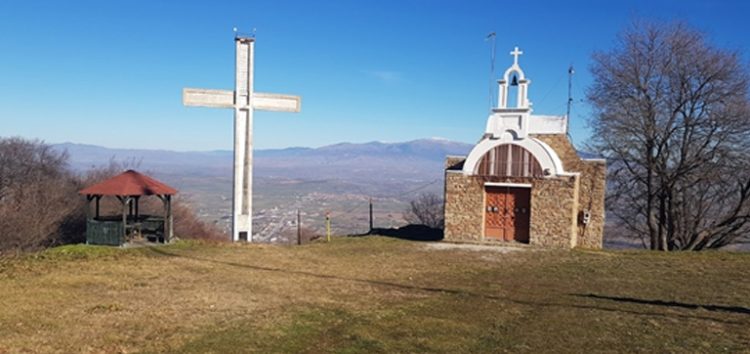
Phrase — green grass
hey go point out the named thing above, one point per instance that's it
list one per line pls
(372, 294)
(80, 251)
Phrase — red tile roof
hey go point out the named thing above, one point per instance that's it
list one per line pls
(129, 183)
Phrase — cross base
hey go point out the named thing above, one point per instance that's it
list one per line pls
(242, 228)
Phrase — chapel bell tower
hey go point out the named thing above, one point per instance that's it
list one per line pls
(510, 119)
(517, 78)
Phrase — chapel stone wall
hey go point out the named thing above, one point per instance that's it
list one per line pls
(564, 149)
(553, 205)
(593, 189)
(591, 192)
(464, 207)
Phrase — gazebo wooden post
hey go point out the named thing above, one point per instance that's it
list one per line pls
(168, 233)
(125, 203)
(124, 210)
(137, 206)
(171, 218)
(98, 198)
(88, 206)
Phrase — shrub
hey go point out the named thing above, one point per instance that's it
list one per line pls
(426, 210)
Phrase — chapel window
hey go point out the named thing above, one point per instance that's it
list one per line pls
(509, 160)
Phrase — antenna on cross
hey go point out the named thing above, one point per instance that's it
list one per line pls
(238, 34)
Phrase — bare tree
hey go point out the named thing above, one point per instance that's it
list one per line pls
(426, 210)
(672, 115)
(35, 191)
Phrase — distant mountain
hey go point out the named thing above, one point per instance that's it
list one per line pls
(418, 159)
(360, 162)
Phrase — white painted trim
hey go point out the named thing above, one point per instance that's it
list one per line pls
(595, 160)
(501, 184)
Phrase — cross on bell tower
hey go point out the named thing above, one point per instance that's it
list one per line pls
(516, 53)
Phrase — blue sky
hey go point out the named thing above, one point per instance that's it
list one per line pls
(111, 72)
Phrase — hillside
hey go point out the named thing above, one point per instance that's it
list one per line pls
(372, 295)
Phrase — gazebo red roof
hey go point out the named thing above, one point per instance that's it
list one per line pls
(129, 183)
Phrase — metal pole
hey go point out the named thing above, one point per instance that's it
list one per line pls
(491, 36)
(571, 71)
(299, 231)
(370, 215)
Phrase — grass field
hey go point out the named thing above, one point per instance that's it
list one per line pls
(371, 294)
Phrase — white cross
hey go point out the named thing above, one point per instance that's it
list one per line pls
(515, 53)
(244, 100)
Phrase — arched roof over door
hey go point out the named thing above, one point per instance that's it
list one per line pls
(548, 160)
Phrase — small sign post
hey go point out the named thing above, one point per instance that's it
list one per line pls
(328, 226)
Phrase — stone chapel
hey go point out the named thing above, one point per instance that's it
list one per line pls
(524, 181)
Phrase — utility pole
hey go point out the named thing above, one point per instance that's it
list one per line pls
(370, 216)
(299, 230)
(570, 95)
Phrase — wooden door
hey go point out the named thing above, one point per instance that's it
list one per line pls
(507, 213)
(510, 212)
(522, 214)
(494, 219)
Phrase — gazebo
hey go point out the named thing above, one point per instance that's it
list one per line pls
(128, 187)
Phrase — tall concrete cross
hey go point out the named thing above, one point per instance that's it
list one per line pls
(244, 100)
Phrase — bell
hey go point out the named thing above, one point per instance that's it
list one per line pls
(514, 82)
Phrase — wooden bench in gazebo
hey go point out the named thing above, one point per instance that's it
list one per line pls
(128, 187)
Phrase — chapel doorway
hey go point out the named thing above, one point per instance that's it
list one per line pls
(507, 213)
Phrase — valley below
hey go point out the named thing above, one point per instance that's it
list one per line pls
(338, 180)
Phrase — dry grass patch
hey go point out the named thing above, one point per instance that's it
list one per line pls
(370, 295)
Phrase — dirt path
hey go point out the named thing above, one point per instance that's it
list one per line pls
(473, 247)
